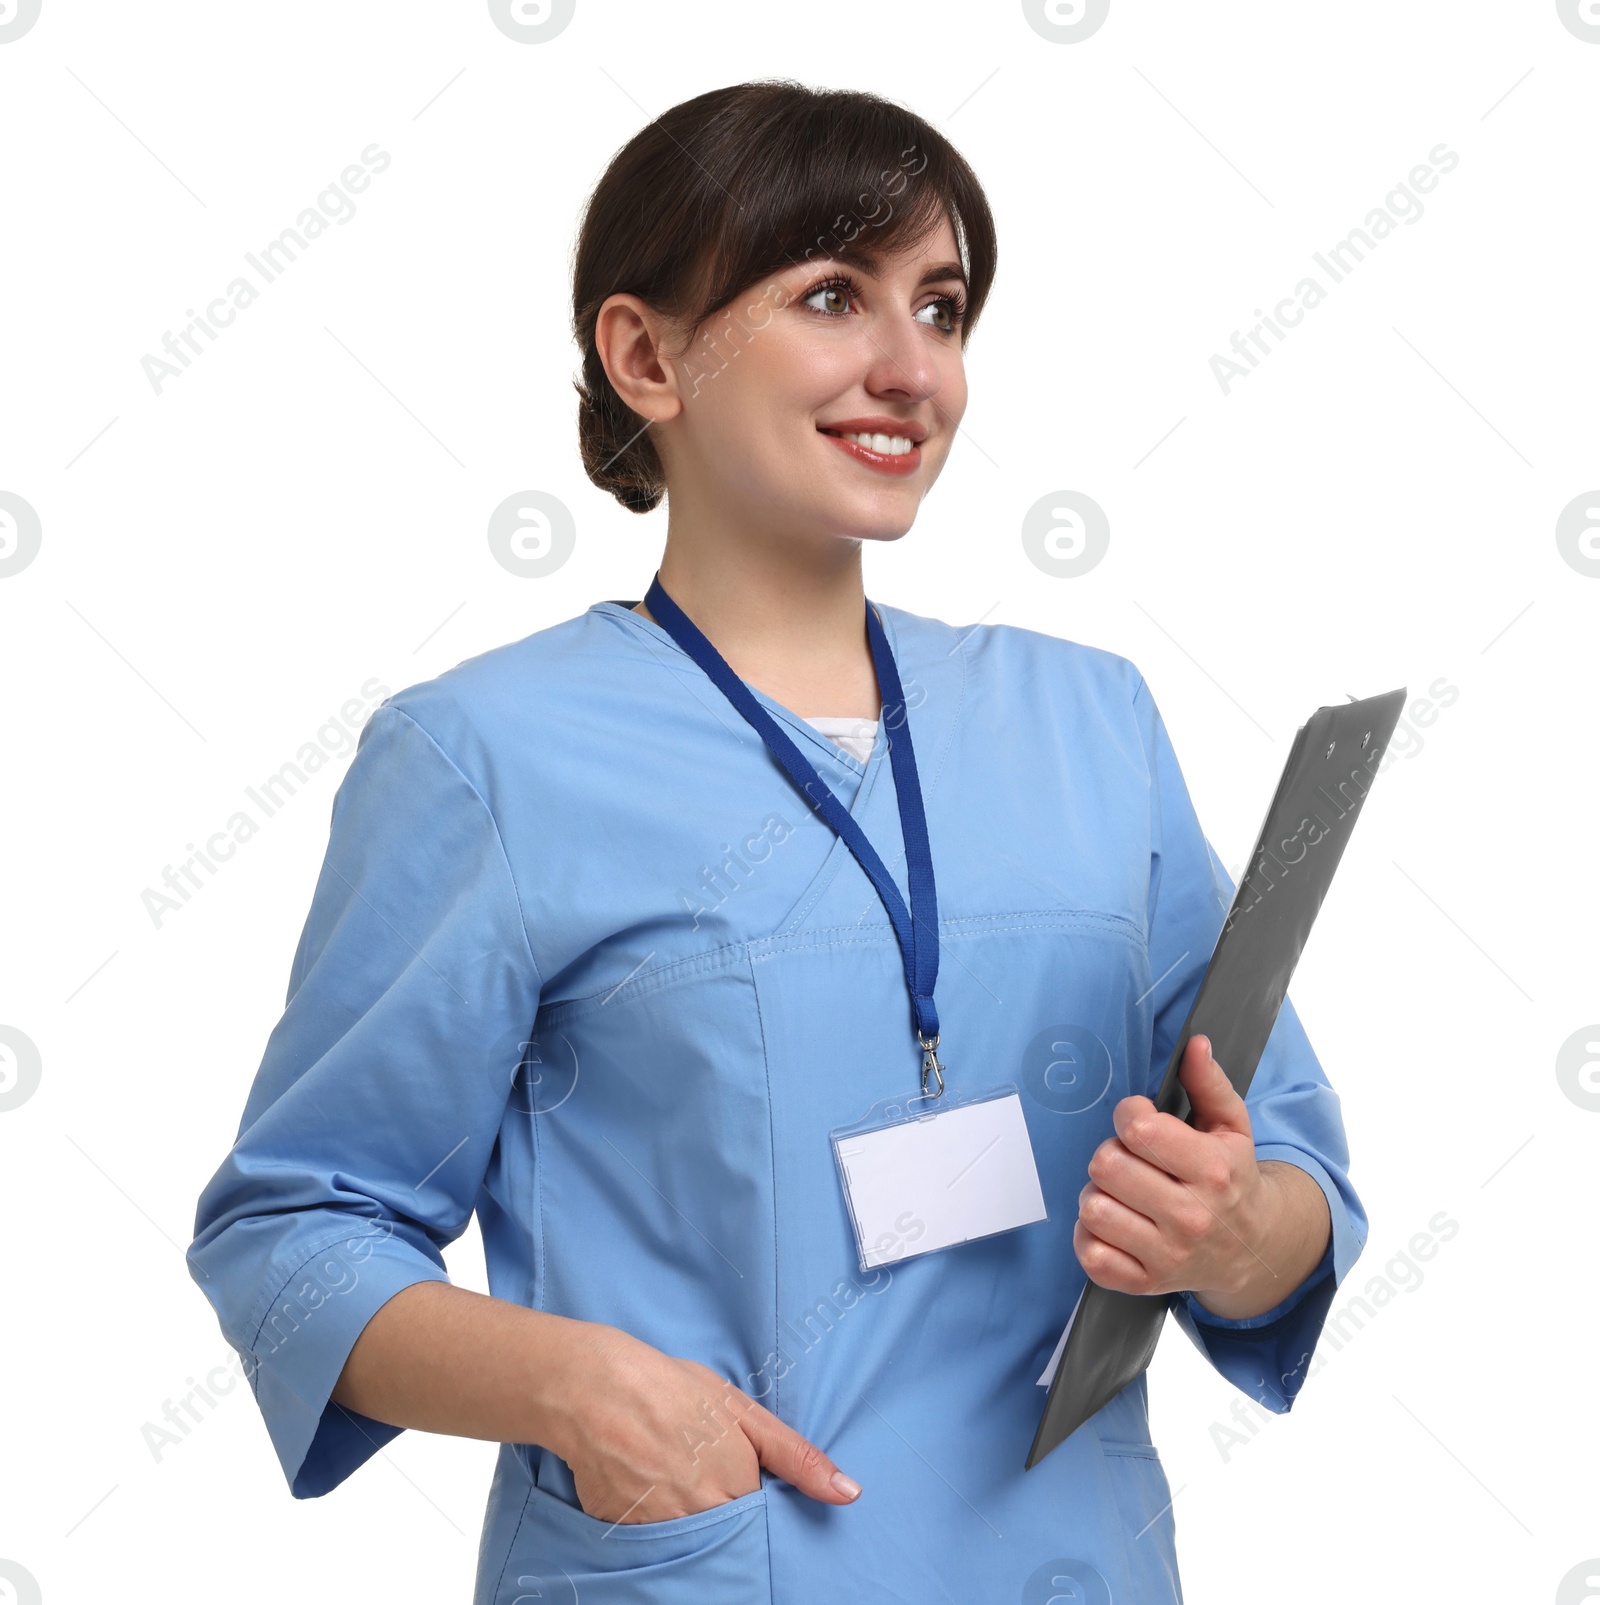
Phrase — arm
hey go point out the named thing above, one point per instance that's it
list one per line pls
(364, 1147)
(374, 1113)
(441, 1358)
(649, 1436)
(1293, 1114)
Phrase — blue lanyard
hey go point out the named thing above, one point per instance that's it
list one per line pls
(917, 932)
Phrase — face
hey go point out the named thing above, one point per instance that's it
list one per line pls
(751, 419)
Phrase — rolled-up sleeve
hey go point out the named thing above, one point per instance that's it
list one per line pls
(1294, 1112)
(377, 1104)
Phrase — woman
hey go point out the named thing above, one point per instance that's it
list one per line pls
(585, 958)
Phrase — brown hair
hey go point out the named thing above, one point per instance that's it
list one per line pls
(733, 186)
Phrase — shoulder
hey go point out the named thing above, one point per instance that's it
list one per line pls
(1007, 654)
(516, 694)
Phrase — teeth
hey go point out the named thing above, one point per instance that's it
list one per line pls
(885, 445)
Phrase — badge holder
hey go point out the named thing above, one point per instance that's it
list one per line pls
(929, 1172)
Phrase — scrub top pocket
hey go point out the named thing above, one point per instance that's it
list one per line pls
(1144, 1500)
(562, 1554)
(1143, 1495)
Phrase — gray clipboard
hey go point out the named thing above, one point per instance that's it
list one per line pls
(1112, 1336)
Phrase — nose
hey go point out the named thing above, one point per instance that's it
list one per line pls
(900, 363)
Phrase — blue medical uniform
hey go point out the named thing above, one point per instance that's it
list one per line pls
(581, 959)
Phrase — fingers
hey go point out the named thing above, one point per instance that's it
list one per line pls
(797, 1460)
(1120, 1178)
(1106, 1264)
(1162, 1140)
(1178, 1147)
(1216, 1101)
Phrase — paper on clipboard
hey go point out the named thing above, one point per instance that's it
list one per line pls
(1048, 1375)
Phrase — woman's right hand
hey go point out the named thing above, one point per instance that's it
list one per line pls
(650, 1436)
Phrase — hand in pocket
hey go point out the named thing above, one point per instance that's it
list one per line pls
(651, 1436)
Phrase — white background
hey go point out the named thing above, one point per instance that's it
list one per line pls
(224, 564)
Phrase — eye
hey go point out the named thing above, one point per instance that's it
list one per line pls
(840, 286)
(954, 308)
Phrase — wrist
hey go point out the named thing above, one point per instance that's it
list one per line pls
(568, 1368)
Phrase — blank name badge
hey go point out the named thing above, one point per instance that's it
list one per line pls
(931, 1180)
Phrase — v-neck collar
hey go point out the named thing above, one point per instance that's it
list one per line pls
(940, 677)
(787, 716)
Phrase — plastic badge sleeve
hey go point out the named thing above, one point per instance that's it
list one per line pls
(931, 1172)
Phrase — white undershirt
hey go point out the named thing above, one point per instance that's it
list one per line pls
(856, 736)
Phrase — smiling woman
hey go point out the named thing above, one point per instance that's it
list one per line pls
(683, 1121)
(786, 191)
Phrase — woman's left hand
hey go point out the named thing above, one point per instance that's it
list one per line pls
(1171, 1206)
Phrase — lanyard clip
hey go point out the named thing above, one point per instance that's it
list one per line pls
(930, 1062)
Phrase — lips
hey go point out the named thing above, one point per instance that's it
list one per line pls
(896, 467)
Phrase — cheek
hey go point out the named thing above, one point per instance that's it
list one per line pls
(750, 439)
(724, 420)
(952, 396)
(777, 382)
(950, 403)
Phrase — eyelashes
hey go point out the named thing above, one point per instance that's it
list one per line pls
(955, 304)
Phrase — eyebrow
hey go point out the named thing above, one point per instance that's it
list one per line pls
(872, 262)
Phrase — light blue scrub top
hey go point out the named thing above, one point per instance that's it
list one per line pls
(575, 840)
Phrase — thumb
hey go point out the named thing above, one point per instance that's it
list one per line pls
(1217, 1104)
(796, 1459)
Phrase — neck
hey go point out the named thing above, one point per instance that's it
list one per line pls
(788, 622)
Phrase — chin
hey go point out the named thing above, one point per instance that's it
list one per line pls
(879, 523)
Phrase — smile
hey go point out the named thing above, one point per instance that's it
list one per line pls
(884, 445)
(890, 454)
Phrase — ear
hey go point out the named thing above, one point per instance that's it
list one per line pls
(631, 340)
